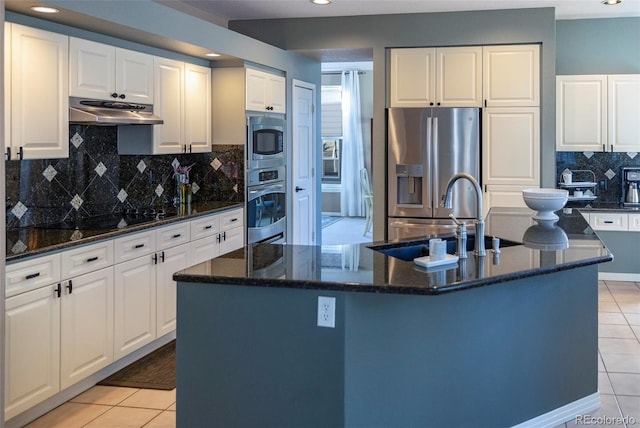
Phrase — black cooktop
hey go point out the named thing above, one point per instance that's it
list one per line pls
(113, 221)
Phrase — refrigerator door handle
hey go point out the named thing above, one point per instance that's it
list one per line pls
(435, 185)
(428, 162)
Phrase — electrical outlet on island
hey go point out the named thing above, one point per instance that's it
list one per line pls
(326, 311)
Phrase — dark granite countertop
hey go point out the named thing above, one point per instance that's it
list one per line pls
(33, 241)
(603, 206)
(568, 244)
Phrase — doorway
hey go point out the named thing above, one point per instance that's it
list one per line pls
(346, 128)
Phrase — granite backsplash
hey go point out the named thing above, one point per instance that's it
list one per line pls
(606, 166)
(95, 180)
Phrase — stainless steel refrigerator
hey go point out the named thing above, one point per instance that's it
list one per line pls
(426, 147)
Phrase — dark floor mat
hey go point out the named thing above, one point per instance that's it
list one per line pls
(154, 371)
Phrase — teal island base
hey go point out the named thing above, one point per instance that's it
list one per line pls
(498, 355)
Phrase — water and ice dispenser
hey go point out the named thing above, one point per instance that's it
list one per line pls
(409, 178)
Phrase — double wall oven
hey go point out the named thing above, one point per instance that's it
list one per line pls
(266, 179)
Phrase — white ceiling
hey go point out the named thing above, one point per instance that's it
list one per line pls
(222, 11)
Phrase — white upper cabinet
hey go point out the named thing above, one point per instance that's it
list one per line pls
(513, 153)
(598, 113)
(511, 76)
(624, 112)
(39, 94)
(169, 105)
(439, 77)
(105, 72)
(197, 126)
(581, 113)
(265, 91)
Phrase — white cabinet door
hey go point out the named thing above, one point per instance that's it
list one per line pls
(204, 249)
(581, 113)
(624, 113)
(634, 222)
(511, 76)
(134, 305)
(264, 91)
(86, 325)
(169, 105)
(170, 261)
(497, 195)
(134, 76)
(197, 108)
(413, 77)
(276, 94)
(39, 93)
(459, 77)
(105, 72)
(92, 69)
(511, 146)
(7, 87)
(32, 349)
(232, 239)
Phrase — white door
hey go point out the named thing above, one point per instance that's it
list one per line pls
(624, 112)
(303, 212)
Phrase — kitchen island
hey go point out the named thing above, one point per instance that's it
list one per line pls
(501, 340)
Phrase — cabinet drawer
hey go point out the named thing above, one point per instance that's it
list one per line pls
(31, 274)
(170, 236)
(634, 222)
(135, 245)
(87, 258)
(231, 219)
(608, 221)
(205, 226)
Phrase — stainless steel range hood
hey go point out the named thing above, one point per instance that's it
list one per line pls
(99, 112)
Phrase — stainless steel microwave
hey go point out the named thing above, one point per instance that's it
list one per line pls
(265, 142)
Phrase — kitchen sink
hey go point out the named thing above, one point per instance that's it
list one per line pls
(410, 250)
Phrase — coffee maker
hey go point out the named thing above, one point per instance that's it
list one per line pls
(630, 186)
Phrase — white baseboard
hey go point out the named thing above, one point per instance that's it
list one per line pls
(614, 276)
(564, 414)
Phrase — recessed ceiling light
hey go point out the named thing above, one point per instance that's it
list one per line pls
(610, 2)
(212, 54)
(320, 1)
(44, 9)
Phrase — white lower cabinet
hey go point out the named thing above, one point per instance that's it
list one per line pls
(55, 336)
(134, 305)
(86, 326)
(72, 313)
(171, 260)
(32, 349)
(216, 234)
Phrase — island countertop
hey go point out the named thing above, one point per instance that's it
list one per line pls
(568, 244)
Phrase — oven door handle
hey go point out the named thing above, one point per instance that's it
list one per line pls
(265, 190)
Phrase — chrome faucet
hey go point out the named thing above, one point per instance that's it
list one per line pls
(479, 249)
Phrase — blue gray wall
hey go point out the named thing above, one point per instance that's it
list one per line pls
(598, 46)
(408, 30)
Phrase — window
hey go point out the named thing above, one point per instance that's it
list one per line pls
(331, 156)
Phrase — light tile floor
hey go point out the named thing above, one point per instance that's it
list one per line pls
(618, 379)
(619, 357)
(110, 406)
